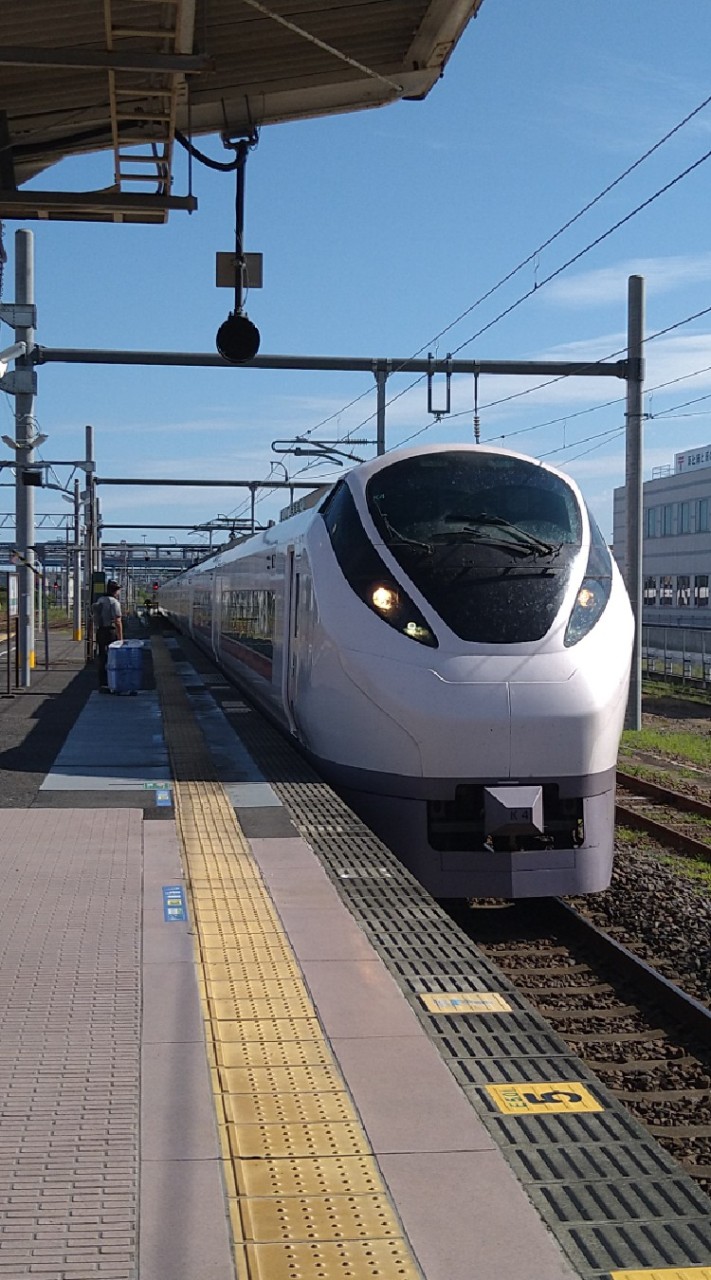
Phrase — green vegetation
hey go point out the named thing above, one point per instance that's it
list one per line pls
(684, 748)
(664, 777)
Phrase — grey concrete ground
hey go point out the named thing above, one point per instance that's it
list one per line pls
(34, 722)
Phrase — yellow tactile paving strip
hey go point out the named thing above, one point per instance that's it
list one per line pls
(306, 1197)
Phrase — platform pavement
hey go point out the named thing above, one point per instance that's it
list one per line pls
(34, 722)
(111, 1164)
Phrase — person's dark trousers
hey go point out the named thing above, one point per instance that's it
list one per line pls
(104, 637)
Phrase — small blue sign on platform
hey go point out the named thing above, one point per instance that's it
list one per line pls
(174, 904)
(164, 797)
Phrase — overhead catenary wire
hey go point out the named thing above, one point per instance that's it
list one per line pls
(538, 285)
(530, 258)
(549, 382)
(659, 333)
(600, 436)
(569, 263)
(567, 417)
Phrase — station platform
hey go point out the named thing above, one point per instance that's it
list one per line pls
(239, 1042)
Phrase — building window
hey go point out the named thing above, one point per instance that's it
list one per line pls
(683, 591)
(650, 592)
(701, 591)
(650, 522)
(666, 592)
(702, 515)
(684, 518)
(667, 520)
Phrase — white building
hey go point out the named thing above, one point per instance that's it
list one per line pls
(676, 548)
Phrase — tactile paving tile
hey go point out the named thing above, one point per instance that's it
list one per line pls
(351, 1260)
(273, 1053)
(330, 1176)
(294, 1141)
(267, 951)
(336, 1219)
(422, 946)
(266, 1029)
(299, 1079)
(289, 1108)
(319, 1217)
(225, 970)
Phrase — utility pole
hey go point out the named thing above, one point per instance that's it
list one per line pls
(24, 436)
(634, 487)
(76, 559)
(381, 376)
(89, 536)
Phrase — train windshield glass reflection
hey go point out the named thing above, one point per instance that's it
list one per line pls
(488, 539)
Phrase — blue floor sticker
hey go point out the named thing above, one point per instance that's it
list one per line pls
(174, 905)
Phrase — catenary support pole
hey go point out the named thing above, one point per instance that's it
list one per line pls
(89, 538)
(381, 378)
(24, 434)
(77, 563)
(633, 486)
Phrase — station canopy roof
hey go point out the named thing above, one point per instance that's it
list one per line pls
(131, 76)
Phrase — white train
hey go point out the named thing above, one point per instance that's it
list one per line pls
(446, 635)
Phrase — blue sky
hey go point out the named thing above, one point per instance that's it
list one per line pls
(378, 230)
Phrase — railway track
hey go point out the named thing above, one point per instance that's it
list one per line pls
(646, 1040)
(679, 821)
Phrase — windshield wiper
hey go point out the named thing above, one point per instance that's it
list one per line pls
(397, 538)
(519, 536)
(483, 539)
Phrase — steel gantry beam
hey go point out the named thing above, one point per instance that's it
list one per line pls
(629, 370)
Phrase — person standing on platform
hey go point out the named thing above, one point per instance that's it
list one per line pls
(109, 627)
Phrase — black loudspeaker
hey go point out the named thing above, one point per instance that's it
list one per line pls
(237, 339)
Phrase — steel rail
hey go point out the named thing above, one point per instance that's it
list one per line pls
(665, 795)
(691, 1013)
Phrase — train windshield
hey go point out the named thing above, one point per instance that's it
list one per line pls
(487, 539)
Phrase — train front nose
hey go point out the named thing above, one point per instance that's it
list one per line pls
(537, 721)
(462, 728)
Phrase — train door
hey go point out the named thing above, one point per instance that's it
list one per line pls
(291, 622)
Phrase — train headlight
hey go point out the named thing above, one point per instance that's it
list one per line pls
(385, 599)
(416, 632)
(590, 601)
(395, 607)
(365, 571)
(594, 590)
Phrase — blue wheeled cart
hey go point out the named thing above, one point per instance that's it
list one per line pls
(125, 666)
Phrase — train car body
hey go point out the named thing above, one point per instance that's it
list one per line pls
(447, 637)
